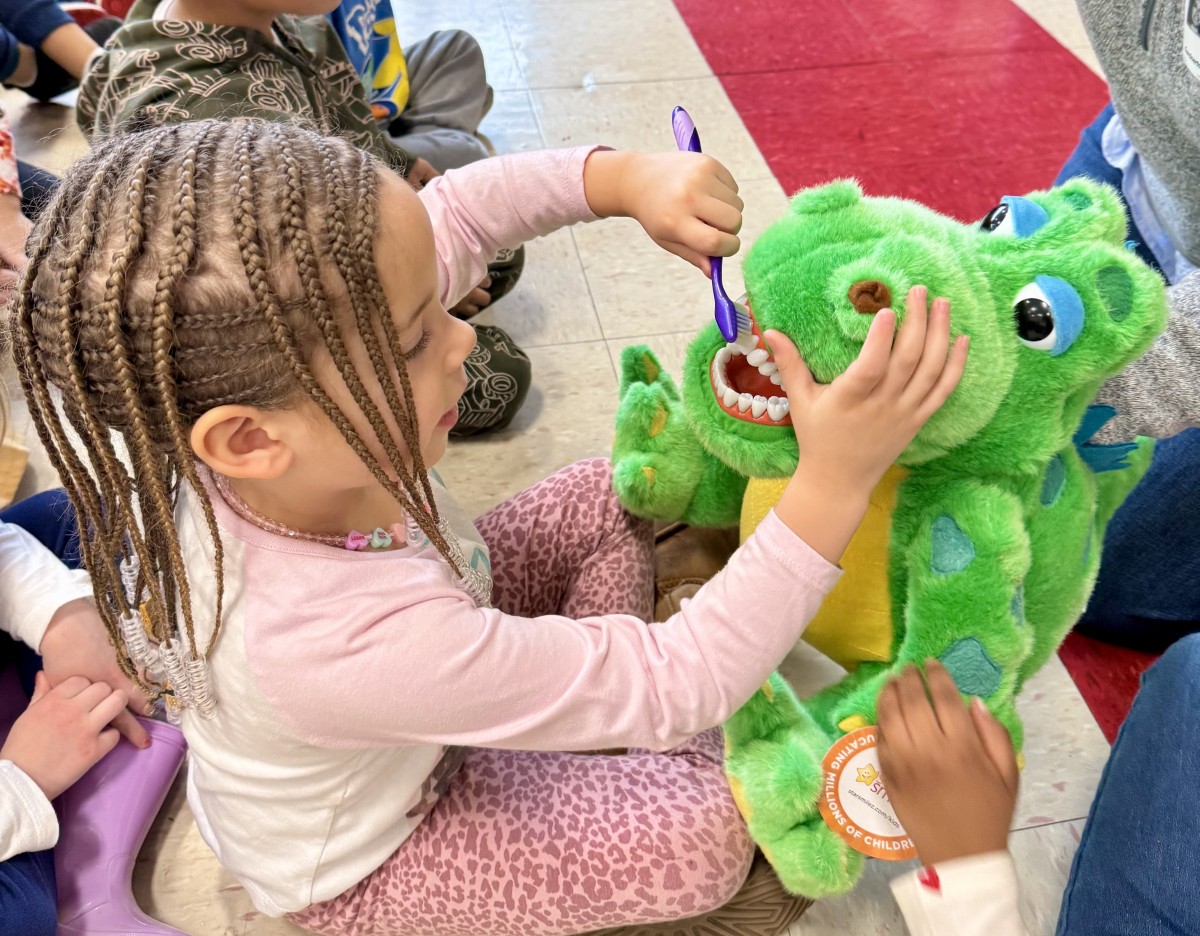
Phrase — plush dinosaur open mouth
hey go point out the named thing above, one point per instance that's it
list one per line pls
(746, 381)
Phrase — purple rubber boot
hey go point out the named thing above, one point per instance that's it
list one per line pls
(103, 821)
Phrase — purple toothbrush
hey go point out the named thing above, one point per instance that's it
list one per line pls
(728, 316)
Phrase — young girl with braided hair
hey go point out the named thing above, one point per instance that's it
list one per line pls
(376, 720)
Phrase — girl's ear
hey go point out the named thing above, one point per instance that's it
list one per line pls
(244, 442)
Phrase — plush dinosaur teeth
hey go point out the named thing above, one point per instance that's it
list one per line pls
(756, 368)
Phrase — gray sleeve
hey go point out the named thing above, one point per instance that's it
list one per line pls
(1159, 394)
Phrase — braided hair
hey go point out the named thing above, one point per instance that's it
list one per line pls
(183, 268)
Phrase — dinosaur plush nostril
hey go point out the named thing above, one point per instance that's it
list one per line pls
(869, 296)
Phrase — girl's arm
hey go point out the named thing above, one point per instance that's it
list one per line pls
(687, 203)
(34, 586)
(1159, 394)
(27, 820)
(373, 660)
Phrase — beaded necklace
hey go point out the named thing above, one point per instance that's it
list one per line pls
(476, 582)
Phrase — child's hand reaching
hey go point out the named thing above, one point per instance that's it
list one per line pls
(64, 731)
(687, 202)
(950, 770)
(851, 430)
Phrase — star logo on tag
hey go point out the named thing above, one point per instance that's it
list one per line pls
(868, 775)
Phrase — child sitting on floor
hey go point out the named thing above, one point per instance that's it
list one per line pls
(376, 719)
(431, 95)
(179, 60)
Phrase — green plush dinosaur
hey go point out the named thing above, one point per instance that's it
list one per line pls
(982, 544)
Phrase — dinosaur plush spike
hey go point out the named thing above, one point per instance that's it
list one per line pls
(981, 545)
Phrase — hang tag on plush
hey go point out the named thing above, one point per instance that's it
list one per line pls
(854, 803)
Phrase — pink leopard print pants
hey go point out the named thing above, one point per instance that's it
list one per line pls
(543, 844)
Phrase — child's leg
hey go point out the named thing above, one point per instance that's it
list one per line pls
(1136, 868)
(449, 98)
(537, 844)
(27, 898)
(567, 546)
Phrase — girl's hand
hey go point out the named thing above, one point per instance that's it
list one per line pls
(687, 202)
(950, 770)
(852, 430)
(63, 732)
(76, 644)
(14, 229)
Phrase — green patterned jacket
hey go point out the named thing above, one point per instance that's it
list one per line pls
(163, 71)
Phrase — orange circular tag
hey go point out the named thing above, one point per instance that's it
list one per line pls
(854, 803)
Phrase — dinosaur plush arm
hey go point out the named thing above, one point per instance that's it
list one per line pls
(660, 469)
(964, 552)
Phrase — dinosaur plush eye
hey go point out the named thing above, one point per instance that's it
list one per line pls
(1016, 217)
(996, 217)
(1048, 314)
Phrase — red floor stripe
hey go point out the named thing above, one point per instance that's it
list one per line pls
(1108, 677)
(948, 102)
(985, 104)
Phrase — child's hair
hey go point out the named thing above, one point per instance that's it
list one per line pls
(179, 269)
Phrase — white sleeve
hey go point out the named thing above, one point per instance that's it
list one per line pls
(27, 820)
(974, 896)
(34, 584)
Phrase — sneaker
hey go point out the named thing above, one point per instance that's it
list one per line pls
(685, 557)
(761, 908)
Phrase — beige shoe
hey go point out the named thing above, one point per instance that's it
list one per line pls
(685, 557)
(761, 908)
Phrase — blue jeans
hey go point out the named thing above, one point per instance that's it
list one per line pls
(28, 898)
(1148, 591)
(1135, 873)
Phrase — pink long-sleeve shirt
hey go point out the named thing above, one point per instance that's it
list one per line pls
(342, 677)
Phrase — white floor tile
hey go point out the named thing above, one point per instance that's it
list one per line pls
(511, 124)
(578, 44)
(1065, 750)
(638, 116)
(550, 304)
(568, 416)
(480, 18)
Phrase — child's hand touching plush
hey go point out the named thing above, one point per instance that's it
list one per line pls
(950, 770)
(687, 202)
(851, 430)
(64, 731)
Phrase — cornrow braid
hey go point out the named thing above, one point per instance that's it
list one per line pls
(363, 249)
(300, 244)
(352, 260)
(188, 267)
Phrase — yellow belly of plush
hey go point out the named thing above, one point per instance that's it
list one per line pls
(855, 620)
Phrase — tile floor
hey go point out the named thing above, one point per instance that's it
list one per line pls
(610, 71)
